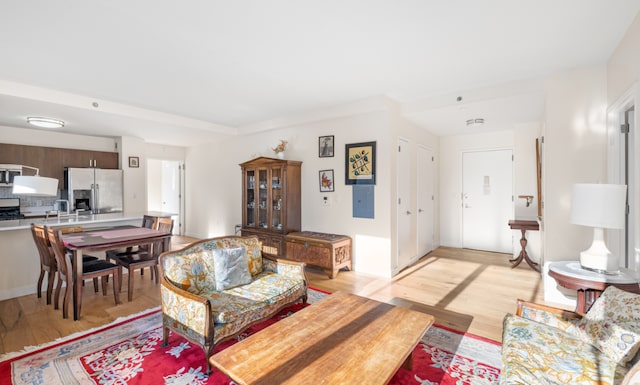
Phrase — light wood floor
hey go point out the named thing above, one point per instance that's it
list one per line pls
(466, 289)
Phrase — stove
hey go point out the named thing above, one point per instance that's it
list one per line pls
(10, 209)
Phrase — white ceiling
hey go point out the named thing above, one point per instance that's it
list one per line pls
(182, 72)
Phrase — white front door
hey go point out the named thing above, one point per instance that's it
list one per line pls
(487, 200)
(425, 201)
(406, 248)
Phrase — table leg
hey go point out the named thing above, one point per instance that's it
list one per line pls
(523, 256)
(408, 363)
(77, 283)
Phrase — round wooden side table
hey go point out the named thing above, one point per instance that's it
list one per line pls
(589, 284)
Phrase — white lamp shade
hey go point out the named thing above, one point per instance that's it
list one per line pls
(35, 186)
(599, 205)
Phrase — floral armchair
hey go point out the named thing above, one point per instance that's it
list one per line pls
(214, 289)
(546, 345)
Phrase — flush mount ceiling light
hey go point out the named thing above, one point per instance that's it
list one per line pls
(475, 122)
(45, 122)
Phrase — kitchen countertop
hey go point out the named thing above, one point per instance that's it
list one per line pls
(21, 224)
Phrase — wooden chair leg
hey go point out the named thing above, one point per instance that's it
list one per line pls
(56, 294)
(104, 285)
(95, 285)
(51, 276)
(120, 271)
(66, 301)
(117, 278)
(154, 273)
(40, 283)
(130, 287)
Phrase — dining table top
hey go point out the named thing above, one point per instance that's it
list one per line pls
(110, 236)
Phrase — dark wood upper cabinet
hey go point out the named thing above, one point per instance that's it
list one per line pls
(51, 161)
(84, 158)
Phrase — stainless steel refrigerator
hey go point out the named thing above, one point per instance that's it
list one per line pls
(96, 190)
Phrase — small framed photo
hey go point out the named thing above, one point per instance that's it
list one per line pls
(134, 162)
(326, 181)
(325, 146)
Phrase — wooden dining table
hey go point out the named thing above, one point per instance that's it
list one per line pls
(106, 239)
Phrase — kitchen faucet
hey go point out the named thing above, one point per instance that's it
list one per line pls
(57, 206)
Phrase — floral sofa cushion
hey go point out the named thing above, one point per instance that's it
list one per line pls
(192, 269)
(613, 324)
(535, 353)
(251, 299)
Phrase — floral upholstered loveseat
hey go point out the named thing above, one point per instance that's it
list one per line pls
(214, 289)
(546, 345)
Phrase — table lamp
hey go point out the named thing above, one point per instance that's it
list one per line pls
(601, 206)
(35, 185)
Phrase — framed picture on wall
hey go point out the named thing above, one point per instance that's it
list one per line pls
(326, 181)
(134, 162)
(325, 146)
(360, 163)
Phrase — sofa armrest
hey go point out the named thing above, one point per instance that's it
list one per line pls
(549, 315)
(285, 267)
(190, 310)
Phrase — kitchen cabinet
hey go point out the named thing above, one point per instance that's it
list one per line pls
(51, 161)
(85, 158)
(271, 198)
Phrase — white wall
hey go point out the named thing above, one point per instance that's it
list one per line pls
(49, 138)
(623, 68)
(575, 142)
(135, 178)
(574, 151)
(214, 183)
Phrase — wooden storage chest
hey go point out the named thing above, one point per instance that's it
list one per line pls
(331, 252)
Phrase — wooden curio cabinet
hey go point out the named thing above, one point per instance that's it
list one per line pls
(271, 196)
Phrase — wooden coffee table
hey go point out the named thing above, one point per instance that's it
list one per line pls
(341, 339)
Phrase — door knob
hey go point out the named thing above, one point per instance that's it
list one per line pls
(408, 212)
(420, 210)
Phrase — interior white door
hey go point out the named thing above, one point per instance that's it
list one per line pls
(406, 248)
(487, 200)
(424, 231)
(164, 189)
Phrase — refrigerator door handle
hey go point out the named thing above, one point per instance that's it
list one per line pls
(97, 190)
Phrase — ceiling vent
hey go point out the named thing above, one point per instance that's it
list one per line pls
(475, 122)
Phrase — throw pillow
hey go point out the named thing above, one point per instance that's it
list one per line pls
(611, 324)
(231, 268)
(254, 255)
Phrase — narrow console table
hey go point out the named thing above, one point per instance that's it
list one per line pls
(523, 226)
(589, 284)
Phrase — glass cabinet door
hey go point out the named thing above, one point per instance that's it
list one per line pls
(263, 197)
(251, 197)
(276, 198)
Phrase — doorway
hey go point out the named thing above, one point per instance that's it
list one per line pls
(406, 242)
(425, 197)
(164, 190)
(487, 200)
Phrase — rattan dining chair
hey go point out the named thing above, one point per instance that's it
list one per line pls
(91, 269)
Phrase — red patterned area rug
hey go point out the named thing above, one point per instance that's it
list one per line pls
(129, 352)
